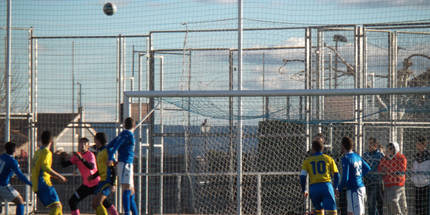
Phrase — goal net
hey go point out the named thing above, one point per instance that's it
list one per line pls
(196, 144)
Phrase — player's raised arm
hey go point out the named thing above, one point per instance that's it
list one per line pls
(114, 145)
(19, 173)
(46, 166)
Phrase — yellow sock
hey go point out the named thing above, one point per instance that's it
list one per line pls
(319, 212)
(101, 210)
(333, 212)
(56, 210)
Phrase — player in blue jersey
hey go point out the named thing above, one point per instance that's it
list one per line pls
(9, 166)
(353, 170)
(321, 169)
(124, 143)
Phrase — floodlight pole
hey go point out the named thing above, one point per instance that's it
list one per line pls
(239, 109)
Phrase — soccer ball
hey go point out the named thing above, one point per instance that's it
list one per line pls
(109, 9)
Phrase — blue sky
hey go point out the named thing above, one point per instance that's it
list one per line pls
(95, 66)
(60, 17)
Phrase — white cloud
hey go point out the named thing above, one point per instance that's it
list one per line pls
(295, 41)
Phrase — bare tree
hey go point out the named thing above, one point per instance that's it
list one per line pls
(17, 89)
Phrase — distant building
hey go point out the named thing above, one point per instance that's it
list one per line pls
(59, 124)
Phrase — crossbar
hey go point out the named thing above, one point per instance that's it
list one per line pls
(291, 92)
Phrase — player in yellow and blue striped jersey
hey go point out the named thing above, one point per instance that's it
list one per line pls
(105, 172)
(41, 173)
(321, 169)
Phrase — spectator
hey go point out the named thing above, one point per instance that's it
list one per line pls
(420, 177)
(393, 167)
(373, 180)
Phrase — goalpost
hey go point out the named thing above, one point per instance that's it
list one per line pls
(192, 137)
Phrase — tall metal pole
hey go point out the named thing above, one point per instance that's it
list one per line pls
(7, 73)
(330, 69)
(118, 198)
(187, 167)
(359, 80)
(73, 94)
(30, 110)
(119, 75)
(148, 128)
(35, 111)
(264, 98)
(132, 70)
(335, 64)
(356, 85)
(123, 69)
(239, 109)
(230, 122)
(139, 152)
(392, 36)
(80, 111)
(151, 158)
(161, 140)
(308, 85)
(320, 76)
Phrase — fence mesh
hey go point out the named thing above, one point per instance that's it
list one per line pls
(199, 156)
(71, 64)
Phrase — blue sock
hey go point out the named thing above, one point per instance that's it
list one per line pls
(19, 209)
(133, 205)
(126, 201)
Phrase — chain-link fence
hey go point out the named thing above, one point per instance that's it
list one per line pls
(74, 85)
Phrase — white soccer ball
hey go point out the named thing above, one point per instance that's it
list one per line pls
(109, 9)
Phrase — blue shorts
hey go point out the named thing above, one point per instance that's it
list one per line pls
(322, 196)
(47, 194)
(104, 187)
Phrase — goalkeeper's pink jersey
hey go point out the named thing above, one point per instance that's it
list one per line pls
(85, 172)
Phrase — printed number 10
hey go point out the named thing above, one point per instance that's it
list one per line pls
(319, 166)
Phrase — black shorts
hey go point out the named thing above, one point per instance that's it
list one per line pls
(83, 191)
